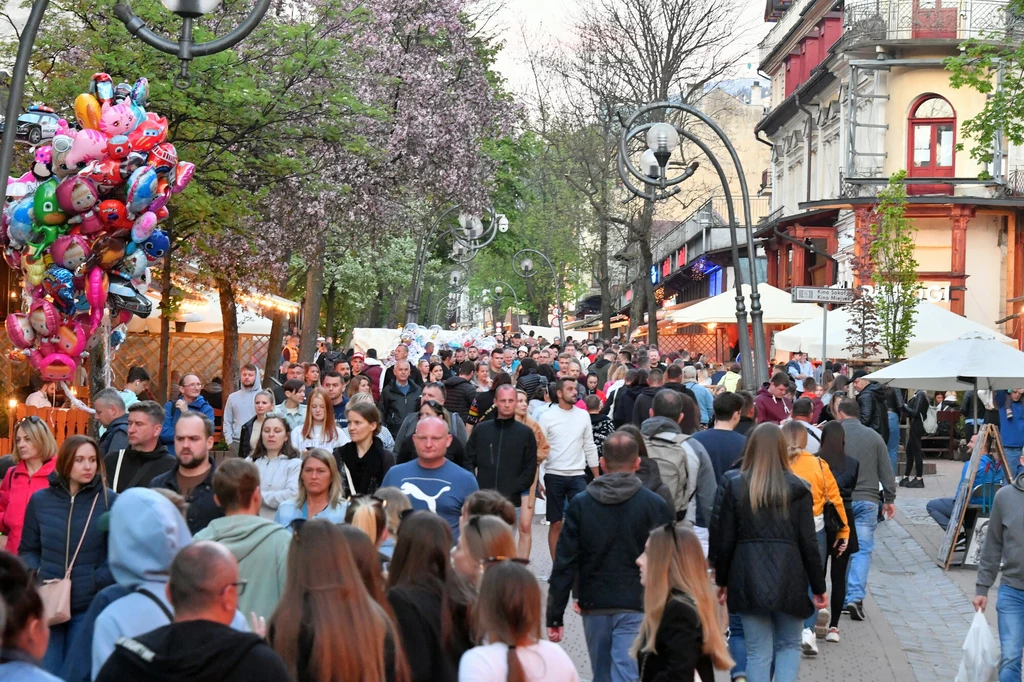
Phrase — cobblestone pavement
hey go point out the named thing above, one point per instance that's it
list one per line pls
(917, 615)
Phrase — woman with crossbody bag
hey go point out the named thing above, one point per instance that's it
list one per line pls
(64, 545)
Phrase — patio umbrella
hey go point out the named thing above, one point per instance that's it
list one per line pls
(777, 305)
(933, 326)
(974, 361)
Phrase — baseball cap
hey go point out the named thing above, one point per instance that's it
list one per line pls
(592, 348)
(358, 355)
(859, 374)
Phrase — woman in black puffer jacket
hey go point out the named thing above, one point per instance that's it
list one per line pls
(765, 553)
(63, 529)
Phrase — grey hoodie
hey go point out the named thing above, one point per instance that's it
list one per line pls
(239, 409)
(1004, 540)
(707, 485)
(614, 488)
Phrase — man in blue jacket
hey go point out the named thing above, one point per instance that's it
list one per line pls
(605, 530)
(189, 398)
(990, 472)
(1011, 425)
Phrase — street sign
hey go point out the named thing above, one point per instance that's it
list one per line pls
(821, 295)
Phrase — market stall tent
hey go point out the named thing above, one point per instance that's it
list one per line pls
(777, 306)
(933, 326)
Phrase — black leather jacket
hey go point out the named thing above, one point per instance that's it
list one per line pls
(873, 413)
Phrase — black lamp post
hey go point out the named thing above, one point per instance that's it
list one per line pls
(523, 264)
(662, 139)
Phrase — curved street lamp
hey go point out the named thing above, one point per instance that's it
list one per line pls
(496, 292)
(469, 234)
(185, 49)
(662, 139)
(523, 266)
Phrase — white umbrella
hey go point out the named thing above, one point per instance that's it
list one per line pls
(933, 326)
(975, 360)
(777, 305)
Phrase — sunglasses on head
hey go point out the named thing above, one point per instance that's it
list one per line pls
(32, 419)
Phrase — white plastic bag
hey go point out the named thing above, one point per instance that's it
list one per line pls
(981, 653)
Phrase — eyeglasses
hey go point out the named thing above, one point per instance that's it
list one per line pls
(434, 405)
(238, 585)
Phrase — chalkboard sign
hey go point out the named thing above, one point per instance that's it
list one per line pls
(963, 493)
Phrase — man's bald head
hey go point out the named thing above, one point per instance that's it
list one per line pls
(431, 440)
(203, 583)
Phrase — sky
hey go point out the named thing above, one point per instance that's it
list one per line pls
(544, 24)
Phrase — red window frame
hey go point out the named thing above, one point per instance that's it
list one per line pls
(932, 170)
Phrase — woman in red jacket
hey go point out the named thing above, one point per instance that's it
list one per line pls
(34, 457)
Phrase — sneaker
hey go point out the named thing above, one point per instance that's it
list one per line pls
(903, 481)
(821, 624)
(856, 610)
(916, 483)
(808, 643)
(833, 635)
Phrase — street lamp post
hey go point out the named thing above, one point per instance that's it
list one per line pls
(524, 267)
(469, 234)
(496, 294)
(185, 49)
(662, 139)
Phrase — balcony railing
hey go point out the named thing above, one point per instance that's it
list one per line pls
(879, 20)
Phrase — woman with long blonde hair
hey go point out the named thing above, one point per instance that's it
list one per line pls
(765, 554)
(326, 626)
(320, 491)
(507, 622)
(680, 634)
(319, 429)
(35, 458)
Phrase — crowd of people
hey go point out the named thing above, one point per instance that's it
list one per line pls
(371, 519)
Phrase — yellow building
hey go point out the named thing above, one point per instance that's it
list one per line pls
(859, 92)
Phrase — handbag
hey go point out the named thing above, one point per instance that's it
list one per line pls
(830, 515)
(56, 593)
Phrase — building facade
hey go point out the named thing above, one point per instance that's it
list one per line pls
(859, 92)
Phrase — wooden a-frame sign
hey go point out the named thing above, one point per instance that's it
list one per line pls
(963, 494)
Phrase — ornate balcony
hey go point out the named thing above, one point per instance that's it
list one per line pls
(931, 20)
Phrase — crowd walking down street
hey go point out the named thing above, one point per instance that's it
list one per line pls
(749, 539)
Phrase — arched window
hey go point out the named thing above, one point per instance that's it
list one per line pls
(931, 144)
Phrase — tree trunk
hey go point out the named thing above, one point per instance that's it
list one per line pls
(332, 294)
(311, 310)
(604, 281)
(273, 365)
(229, 314)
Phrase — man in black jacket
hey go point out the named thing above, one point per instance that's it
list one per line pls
(400, 397)
(605, 530)
(459, 391)
(200, 644)
(109, 406)
(871, 399)
(674, 380)
(143, 458)
(192, 475)
(642, 406)
(502, 452)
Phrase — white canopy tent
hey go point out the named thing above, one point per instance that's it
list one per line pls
(205, 317)
(933, 326)
(777, 305)
(957, 364)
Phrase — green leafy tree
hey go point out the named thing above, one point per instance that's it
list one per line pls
(895, 270)
(862, 335)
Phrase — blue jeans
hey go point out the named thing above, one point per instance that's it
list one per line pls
(894, 441)
(61, 637)
(767, 634)
(1010, 608)
(609, 638)
(1013, 459)
(865, 520)
(737, 646)
(822, 551)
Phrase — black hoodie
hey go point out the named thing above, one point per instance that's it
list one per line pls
(115, 437)
(197, 651)
(502, 453)
(137, 468)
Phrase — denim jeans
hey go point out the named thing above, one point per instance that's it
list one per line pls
(772, 633)
(1013, 459)
(61, 637)
(1010, 608)
(609, 638)
(894, 441)
(865, 519)
(822, 547)
(737, 646)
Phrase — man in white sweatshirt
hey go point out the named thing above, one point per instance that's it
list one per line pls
(571, 438)
(239, 407)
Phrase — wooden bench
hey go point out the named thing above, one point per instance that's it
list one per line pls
(942, 446)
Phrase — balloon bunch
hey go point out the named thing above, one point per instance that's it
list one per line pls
(417, 336)
(81, 225)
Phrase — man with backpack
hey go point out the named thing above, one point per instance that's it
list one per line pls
(683, 462)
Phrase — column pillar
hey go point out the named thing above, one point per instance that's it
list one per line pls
(959, 217)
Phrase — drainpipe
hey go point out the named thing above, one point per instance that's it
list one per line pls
(757, 136)
(810, 124)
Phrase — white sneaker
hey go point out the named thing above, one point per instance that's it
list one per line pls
(808, 643)
(821, 624)
(833, 635)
